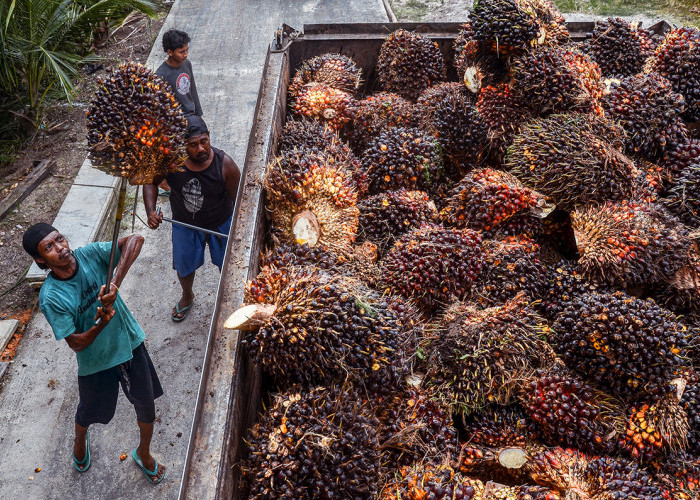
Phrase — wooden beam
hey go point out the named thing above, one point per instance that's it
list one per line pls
(26, 186)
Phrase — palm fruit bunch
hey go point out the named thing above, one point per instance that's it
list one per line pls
(557, 80)
(402, 158)
(326, 104)
(676, 160)
(560, 469)
(536, 493)
(677, 58)
(477, 357)
(620, 48)
(450, 116)
(498, 445)
(576, 475)
(386, 216)
(320, 443)
(375, 114)
(512, 266)
(135, 127)
(409, 63)
(312, 136)
(621, 342)
(486, 198)
(690, 404)
(425, 481)
(607, 477)
(476, 66)
(498, 427)
(507, 26)
(311, 198)
(680, 293)
(414, 427)
(433, 265)
(573, 159)
(683, 197)
(284, 254)
(680, 474)
(655, 428)
(335, 70)
(566, 410)
(321, 327)
(504, 113)
(565, 282)
(628, 243)
(650, 111)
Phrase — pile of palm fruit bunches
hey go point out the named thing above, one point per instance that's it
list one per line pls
(487, 287)
(135, 125)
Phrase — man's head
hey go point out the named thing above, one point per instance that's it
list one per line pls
(47, 246)
(197, 139)
(176, 44)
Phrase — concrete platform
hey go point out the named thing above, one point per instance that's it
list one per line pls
(8, 327)
(39, 395)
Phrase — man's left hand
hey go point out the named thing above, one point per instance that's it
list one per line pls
(108, 299)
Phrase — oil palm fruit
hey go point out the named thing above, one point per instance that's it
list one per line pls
(326, 104)
(650, 111)
(375, 114)
(409, 63)
(574, 159)
(311, 198)
(135, 127)
(433, 265)
(317, 443)
(677, 58)
(477, 357)
(335, 70)
(619, 47)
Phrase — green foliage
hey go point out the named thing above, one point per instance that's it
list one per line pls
(44, 42)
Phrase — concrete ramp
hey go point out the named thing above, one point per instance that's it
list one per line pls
(39, 397)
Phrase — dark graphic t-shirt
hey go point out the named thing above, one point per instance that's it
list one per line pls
(200, 198)
(181, 81)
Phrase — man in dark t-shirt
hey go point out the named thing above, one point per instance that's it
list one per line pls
(177, 71)
(202, 195)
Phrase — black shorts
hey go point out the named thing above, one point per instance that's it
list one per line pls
(99, 391)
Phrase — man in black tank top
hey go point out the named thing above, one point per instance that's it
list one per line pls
(203, 195)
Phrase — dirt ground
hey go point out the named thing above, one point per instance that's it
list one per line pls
(62, 139)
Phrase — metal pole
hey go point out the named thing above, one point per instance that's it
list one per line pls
(115, 236)
(190, 226)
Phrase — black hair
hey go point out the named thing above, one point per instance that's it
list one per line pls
(175, 39)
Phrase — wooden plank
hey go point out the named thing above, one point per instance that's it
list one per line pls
(26, 186)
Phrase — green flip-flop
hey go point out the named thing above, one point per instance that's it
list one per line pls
(182, 311)
(152, 475)
(84, 464)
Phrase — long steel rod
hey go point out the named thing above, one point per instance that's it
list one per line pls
(190, 226)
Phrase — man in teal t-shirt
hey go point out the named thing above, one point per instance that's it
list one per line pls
(110, 351)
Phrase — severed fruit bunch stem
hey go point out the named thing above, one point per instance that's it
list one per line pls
(135, 126)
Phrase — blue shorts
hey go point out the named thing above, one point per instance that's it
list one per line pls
(188, 248)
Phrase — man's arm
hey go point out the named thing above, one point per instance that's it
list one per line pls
(195, 96)
(150, 195)
(232, 177)
(79, 341)
(129, 248)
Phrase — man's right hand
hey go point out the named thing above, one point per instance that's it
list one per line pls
(154, 219)
(105, 314)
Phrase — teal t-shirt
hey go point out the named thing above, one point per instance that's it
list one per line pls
(70, 306)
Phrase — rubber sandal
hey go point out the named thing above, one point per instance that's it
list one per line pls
(84, 464)
(182, 311)
(150, 474)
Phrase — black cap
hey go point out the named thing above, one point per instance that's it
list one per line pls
(33, 236)
(195, 126)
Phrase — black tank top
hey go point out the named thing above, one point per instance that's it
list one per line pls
(200, 198)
